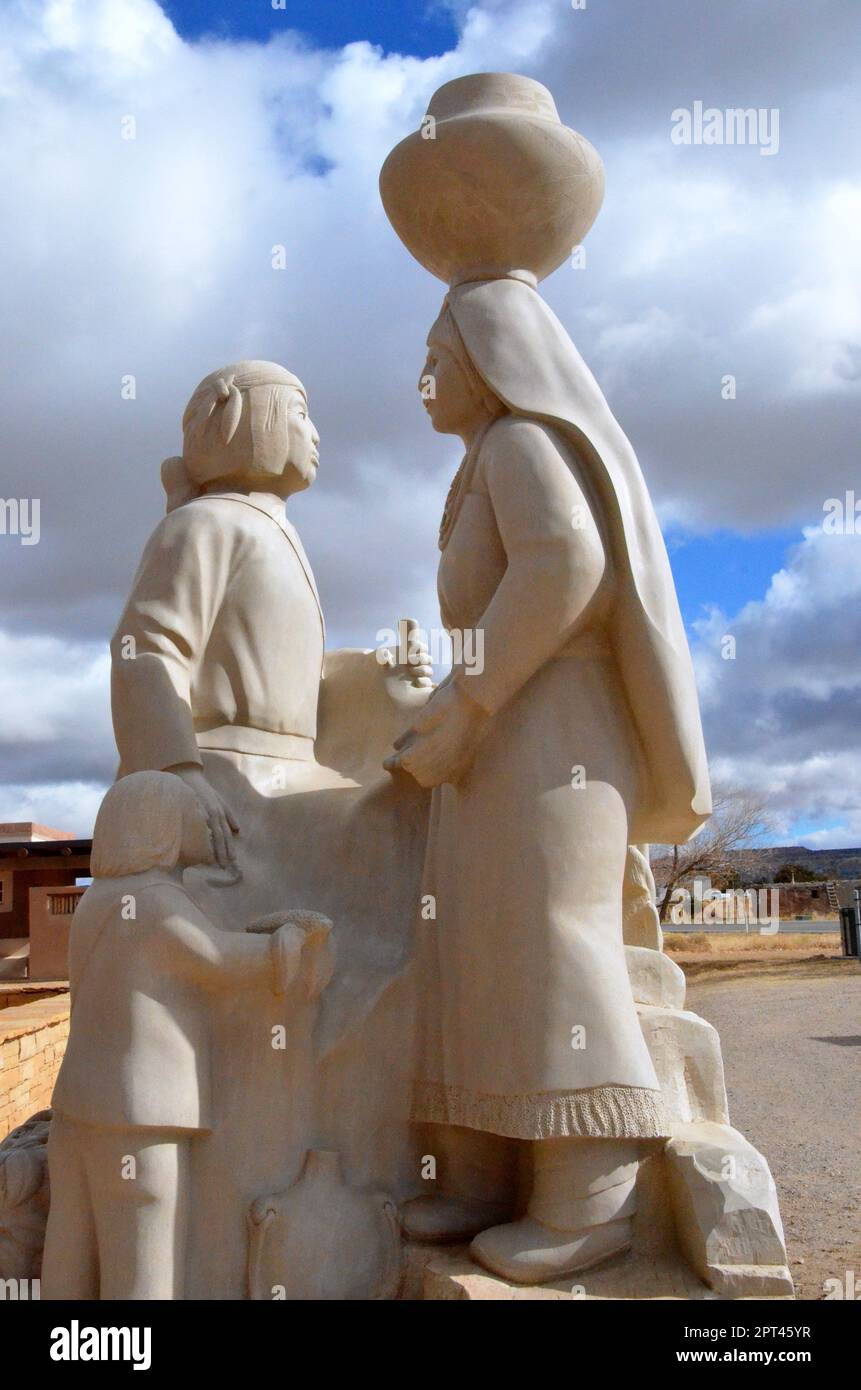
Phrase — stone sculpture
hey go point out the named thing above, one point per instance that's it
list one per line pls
(516, 1068)
(551, 548)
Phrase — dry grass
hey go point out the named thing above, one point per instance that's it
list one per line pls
(745, 943)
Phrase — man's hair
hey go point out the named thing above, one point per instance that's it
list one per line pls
(213, 442)
(140, 824)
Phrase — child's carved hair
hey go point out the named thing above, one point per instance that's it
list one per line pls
(140, 824)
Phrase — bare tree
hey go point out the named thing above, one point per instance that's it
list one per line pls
(739, 818)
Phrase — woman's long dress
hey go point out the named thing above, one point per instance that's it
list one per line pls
(528, 1025)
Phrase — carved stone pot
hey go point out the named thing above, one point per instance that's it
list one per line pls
(322, 1239)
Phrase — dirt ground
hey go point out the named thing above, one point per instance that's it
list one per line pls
(791, 1036)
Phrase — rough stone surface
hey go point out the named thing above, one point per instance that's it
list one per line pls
(655, 979)
(24, 1198)
(453, 1276)
(687, 1057)
(727, 1217)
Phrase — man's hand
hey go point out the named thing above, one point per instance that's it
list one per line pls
(442, 743)
(410, 661)
(222, 824)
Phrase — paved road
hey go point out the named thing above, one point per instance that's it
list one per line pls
(792, 1052)
(785, 928)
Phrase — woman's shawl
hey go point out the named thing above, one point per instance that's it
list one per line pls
(524, 354)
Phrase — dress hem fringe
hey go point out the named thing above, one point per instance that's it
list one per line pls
(598, 1112)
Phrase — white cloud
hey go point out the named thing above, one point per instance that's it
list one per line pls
(152, 257)
(821, 311)
(782, 714)
(56, 743)
(46, 684)
(68, 806)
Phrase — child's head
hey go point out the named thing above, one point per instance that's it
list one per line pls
(245, 425)
(149, 820)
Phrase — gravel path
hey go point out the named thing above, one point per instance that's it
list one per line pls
(792, 1053)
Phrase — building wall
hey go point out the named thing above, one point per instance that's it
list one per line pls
(805, 900)
(51, 913)
(14, 921)
(32, 1043)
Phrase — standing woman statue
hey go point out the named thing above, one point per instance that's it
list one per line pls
(580, 736)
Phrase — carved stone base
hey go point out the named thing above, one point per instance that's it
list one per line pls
(454, 1276)
(707, 1224)
(672, 1230)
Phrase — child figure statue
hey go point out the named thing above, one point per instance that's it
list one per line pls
(135, 1090)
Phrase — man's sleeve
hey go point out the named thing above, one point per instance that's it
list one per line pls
(163, 631)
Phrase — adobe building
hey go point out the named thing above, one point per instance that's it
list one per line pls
(40, 883)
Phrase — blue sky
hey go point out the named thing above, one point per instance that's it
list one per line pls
(725, 567)
(419, 27)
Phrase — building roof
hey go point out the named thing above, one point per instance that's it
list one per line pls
(29, 831)
(43, 849)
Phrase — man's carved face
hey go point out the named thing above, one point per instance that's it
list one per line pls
(303, 443)
(278, 434)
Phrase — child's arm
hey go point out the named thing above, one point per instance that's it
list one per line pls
(214, 959)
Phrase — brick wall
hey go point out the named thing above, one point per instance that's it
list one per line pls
(32, 1042)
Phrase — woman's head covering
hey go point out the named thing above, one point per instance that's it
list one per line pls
(523, 353)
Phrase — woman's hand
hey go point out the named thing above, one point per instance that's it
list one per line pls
(219, 818)
(442, 743)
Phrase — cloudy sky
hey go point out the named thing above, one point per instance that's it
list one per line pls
(258, 126)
